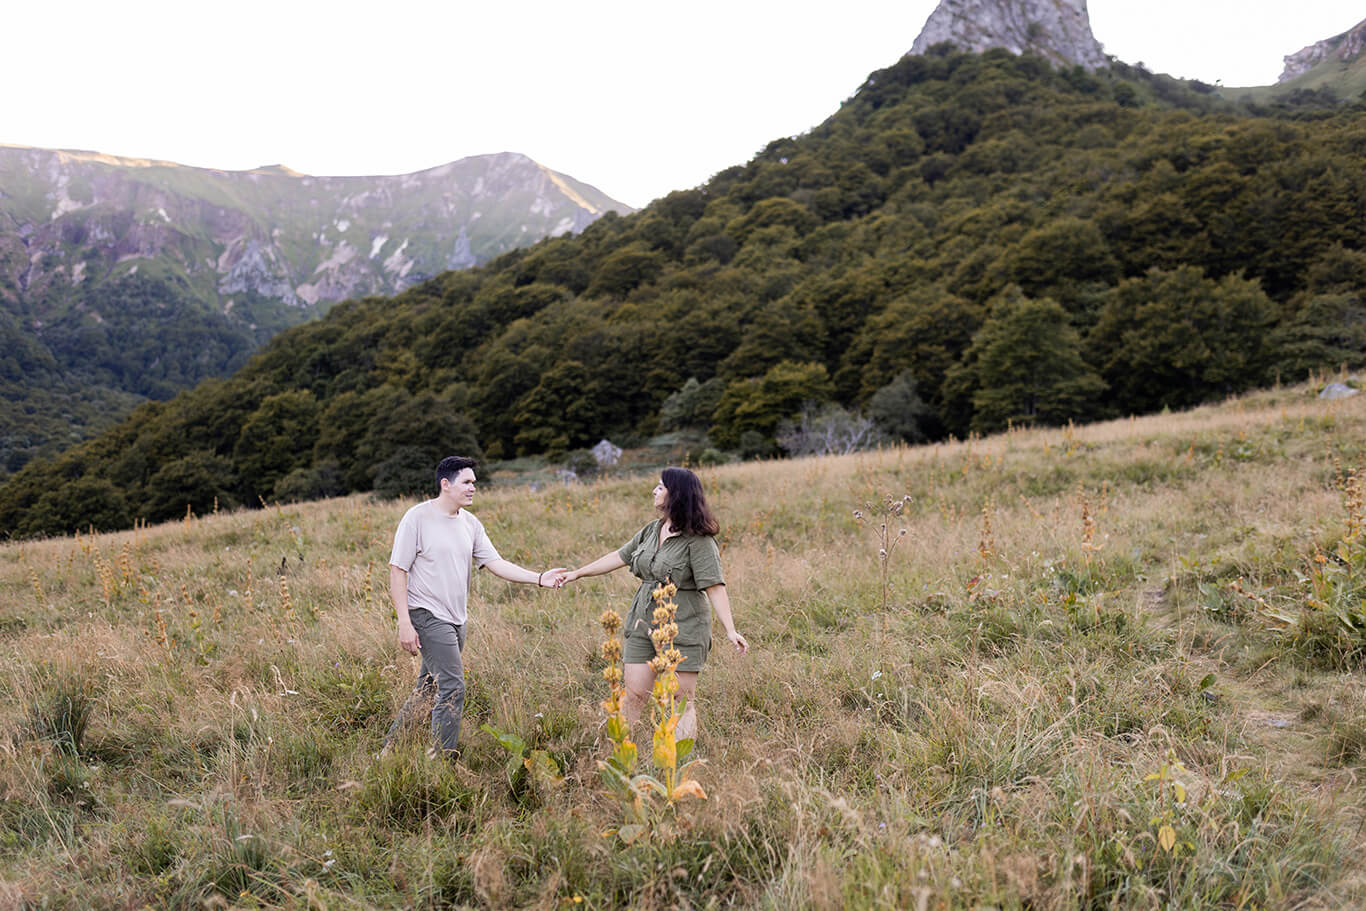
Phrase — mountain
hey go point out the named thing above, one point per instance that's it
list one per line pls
(973, 241)
(123, 279)
(1337, 63)
(1058, 30)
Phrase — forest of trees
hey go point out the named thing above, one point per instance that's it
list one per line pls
(971, 241)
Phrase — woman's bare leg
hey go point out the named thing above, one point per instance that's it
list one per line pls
(687, 689)
(639, 680)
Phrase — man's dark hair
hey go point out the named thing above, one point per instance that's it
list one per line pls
(687, 506)
(451, 466)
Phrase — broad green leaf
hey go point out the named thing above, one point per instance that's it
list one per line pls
(510, 742)
(613, 778)
(1207, 681)
(684, 749)
(543, 768)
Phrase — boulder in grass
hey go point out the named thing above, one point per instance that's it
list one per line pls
(606, 454)
(1335, 391)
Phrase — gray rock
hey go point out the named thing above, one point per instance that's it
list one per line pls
(1059, 30)
(606, 453)
(1335, 391)
(1345, 47)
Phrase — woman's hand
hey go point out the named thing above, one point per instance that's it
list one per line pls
(738, 641)
(565, 578)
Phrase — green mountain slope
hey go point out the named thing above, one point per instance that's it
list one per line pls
(970, 242)
(1334, 68)
(141, 278)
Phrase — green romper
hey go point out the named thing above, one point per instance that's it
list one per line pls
(693, 563)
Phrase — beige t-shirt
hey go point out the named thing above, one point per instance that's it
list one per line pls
(437, 551)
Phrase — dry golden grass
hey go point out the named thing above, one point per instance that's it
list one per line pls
(192, 710)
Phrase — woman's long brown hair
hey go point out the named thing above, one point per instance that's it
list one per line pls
(687, 506)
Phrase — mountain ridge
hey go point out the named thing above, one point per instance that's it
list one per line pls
(102, 255)
(1345, 48)
(973, 241)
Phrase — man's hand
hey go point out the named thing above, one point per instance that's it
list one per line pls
(553, 578)
(407, 639)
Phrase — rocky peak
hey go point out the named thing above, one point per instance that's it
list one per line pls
(1345, 47)
(1057, 29)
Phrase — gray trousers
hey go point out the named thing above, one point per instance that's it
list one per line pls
(440, 681)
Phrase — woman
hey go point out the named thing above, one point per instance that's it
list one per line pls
(679, 547)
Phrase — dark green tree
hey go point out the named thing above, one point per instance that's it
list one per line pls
(1025, 366)
(899, 411)
(760, 404)
(1176, 338)
(277, 438)
(198, 480)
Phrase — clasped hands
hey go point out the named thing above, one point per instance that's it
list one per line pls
(558, 577)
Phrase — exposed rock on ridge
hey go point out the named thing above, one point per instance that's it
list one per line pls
(1057, 29)
(70, 218)
(1345, 47)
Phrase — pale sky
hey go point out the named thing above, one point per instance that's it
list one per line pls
(636, 98)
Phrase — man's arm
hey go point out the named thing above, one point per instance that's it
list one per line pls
(514, 573)
(398, 591)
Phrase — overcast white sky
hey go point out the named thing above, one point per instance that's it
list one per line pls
(636, 98)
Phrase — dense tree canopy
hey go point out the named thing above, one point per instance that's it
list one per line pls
(971, 240)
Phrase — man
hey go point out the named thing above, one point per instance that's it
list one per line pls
(437, 544)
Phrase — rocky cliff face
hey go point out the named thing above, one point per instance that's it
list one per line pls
(69, 220)
(124, 279)
(1057, 29)
(1345, 48)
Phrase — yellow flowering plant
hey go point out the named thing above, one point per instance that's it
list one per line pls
(650, 802)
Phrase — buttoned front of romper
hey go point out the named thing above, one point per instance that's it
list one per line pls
(691, 562)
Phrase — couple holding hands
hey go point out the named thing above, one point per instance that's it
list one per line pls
(439, 543)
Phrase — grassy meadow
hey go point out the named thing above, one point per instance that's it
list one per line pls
(1113, 666)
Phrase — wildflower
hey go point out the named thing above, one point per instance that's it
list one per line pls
(611, 622)
(611, 650)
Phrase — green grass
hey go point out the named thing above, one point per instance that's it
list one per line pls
(1010, 731)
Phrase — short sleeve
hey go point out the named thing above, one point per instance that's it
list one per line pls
(405, 543)
(482, 550)
(628, 550)
(705, 557)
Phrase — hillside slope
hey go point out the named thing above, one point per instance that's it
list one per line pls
(1089, 643)
(135, 279)
(971, 242)
(1334, 68)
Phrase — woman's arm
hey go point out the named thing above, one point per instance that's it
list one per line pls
(602, 565)
(720, 602)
